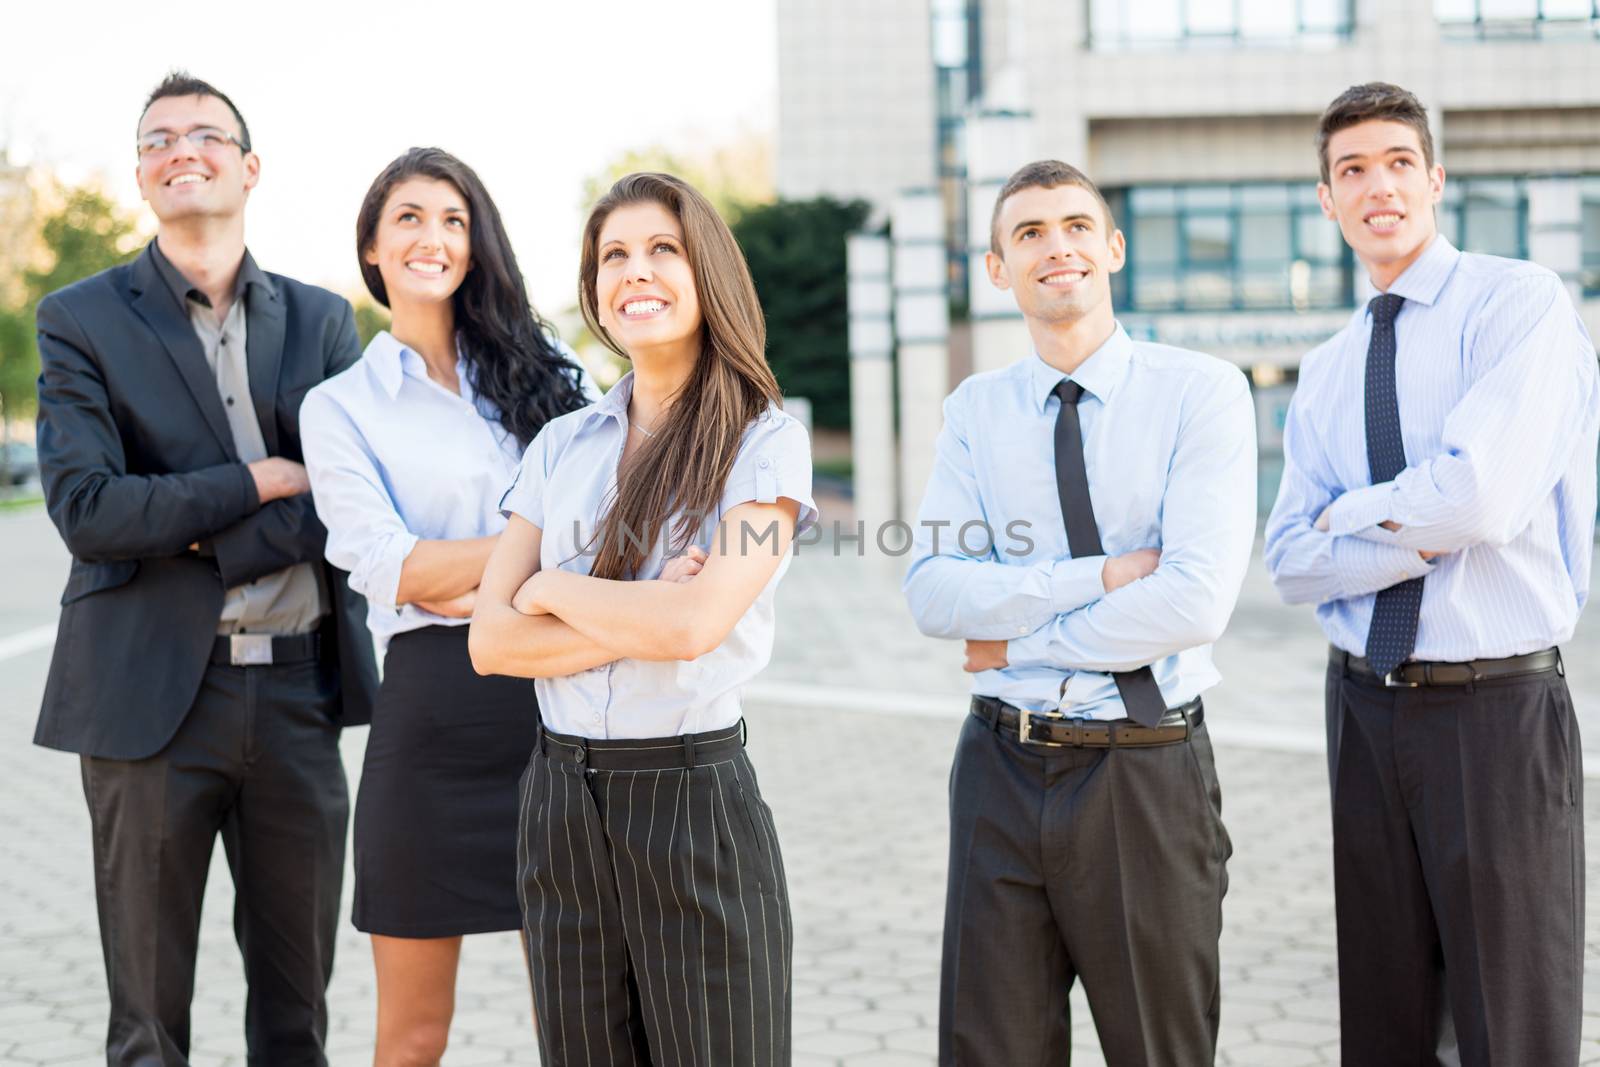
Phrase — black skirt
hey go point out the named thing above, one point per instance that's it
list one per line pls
(436, 813)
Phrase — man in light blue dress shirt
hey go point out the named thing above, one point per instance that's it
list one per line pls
(1438, 506)
(1085, 531)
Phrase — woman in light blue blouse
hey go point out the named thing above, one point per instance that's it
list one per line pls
(408, 452)
(635, 581)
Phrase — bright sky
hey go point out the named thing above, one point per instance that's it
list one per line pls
(534, 95)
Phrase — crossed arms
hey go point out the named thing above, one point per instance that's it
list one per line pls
(536, 623)
(1112, 613)
(1504, 447)
(255, 518)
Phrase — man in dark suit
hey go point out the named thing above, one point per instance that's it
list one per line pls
(206, 656)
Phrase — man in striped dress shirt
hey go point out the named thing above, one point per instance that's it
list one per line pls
(1438, 506)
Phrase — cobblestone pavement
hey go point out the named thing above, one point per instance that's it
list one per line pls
(851, 730)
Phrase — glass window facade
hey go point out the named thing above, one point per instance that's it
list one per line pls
(1488, 215)
(958, 80)
(1242, 247)
(1114, 24)
(1591, 235)
(1552, 19)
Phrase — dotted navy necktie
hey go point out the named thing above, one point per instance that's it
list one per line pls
(1393, 634)
(1141, 696)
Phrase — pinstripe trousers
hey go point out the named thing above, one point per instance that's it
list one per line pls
(655, 905)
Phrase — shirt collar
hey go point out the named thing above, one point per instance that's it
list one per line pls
(182, 288)
(1421, 282)
(1099, 374)
(386, 357)
(615, 402)
(391, 361)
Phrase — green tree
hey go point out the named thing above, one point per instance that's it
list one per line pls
(89, 233)
(371, 317)
(796, 252)
(17, 373)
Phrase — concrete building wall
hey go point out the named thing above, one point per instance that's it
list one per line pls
(1147, 110)
(855, 98)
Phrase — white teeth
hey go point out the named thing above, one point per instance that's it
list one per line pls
(187, 179)
(642, 307)
(427, 268)
(1384, 221)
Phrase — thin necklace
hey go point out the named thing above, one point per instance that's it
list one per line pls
(641, 429)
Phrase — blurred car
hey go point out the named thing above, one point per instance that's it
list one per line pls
(19, 463)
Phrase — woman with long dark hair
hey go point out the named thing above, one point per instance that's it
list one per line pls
(408, 452)
(635, 580)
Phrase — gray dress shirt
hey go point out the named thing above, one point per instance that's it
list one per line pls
(292, 600)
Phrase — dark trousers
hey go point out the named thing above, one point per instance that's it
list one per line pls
(257, 759)
(1104, 864)
(1457, 837)
(656, 909)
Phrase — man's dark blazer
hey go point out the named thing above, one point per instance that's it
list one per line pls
(138, 463)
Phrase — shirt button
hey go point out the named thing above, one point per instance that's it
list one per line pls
(230, 401)
(763, 463)
(1023, 630)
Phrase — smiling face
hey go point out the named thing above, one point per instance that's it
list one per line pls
(188, 181)
(1382, 193)
(1056, 254)
(644, 284)
(422, 246)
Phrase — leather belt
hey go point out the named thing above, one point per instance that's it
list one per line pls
(1054, 729)
(1414, 674)
(263, 650)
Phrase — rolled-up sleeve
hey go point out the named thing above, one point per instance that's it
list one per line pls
(525, 495)
(366, 535)
(774, 463)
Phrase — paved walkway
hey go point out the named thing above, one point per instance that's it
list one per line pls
(851, 730)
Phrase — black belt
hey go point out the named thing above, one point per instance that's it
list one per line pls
(684, 752)
(1413, 674)
(263, 650)
(1056, 730)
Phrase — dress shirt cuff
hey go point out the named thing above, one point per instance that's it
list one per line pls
(1076, 582)
(1030, 651)
(1366, 566)
(1360, 508)
(378, 578)
(1381, 535)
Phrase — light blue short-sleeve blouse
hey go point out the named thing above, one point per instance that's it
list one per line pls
(565, 482)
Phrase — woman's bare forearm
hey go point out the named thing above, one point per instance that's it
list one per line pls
(443, 570)
(505, 641)
(640, 619)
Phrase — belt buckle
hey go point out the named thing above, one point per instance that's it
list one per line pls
(250, 650)
(1393, 681)
(1025, 726)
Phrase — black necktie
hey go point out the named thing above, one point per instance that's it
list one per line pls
(1140, 695)
(1393, 635)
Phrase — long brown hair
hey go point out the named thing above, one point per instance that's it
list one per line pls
(682, 469)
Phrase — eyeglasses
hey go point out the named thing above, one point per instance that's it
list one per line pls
(205, 138)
